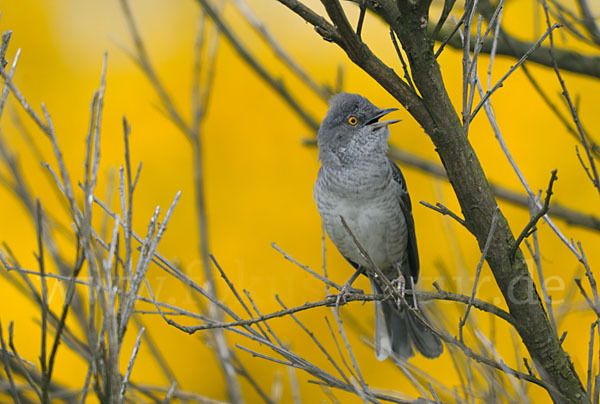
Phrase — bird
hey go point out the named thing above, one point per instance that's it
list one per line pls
(362, 198)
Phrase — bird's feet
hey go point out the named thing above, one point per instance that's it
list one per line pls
(399, 284)
(399, 289)
(347, 290)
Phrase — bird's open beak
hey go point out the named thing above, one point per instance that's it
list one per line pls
(374, 122)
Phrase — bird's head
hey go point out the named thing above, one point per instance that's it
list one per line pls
(352, 130)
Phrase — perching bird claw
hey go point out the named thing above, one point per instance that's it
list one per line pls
(347, 290)
(400, 285)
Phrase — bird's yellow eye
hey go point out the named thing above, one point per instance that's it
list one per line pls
(353, 120)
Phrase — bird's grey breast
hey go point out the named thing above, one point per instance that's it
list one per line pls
(368, 199)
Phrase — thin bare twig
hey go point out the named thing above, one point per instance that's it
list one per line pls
(539, 214)
(323, 91)
(307, 269)
(589, 274)
(445, 211)
(5, 359)
(572, 109)
(512, 69)
(314, 339)
(402, 62)
(255, 64)
(24, 370)
(592, 305)
(275, 337)
(170, 393)
(590, 360)
(486, 247)
(134, 353)
(44, 305)
(338, 348)
(5, 91)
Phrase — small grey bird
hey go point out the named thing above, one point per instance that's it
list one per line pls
(358, 182)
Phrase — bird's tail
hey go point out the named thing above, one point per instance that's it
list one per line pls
(397, 330)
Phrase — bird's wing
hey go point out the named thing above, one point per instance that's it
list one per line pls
(404, 199)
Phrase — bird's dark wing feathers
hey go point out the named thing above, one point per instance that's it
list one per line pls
(413, 253)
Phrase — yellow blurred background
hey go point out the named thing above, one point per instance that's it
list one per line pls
(259, 177)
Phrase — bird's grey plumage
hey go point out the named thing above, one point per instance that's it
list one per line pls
(359, 183)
